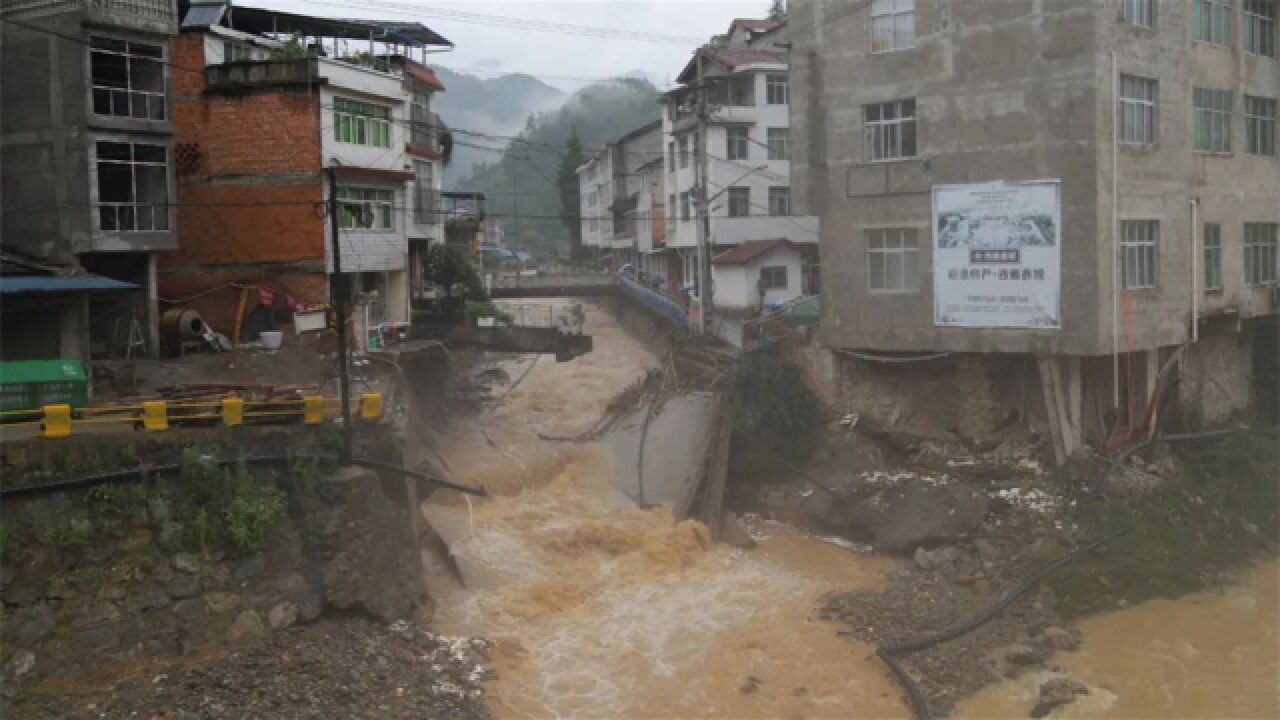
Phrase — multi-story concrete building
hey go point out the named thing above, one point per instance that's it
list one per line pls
(86, 130)
(615, 193)
(266, 128)
(1095, 182)
(729, 117)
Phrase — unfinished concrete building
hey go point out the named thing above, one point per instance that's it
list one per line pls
(1094, 185)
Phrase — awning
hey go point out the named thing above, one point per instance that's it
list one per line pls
(261, 21)
(49, 284)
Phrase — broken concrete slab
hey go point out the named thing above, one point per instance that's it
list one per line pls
(899, 519)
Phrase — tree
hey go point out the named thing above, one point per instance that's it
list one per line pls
(570, 200)
(778, 10)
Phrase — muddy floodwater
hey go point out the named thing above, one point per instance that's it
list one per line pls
(1213, 654)
(598, 608)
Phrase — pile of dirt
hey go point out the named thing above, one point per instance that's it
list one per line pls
(338, 668)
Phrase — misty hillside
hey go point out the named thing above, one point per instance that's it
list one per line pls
(498, 106)
(598, 113)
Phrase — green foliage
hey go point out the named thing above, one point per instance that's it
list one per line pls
(776, 408)
(231, 509)
(570, 197)
(448, 267)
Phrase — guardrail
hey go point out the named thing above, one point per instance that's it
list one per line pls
(58, 421)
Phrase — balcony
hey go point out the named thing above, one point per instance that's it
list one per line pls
(737, 230)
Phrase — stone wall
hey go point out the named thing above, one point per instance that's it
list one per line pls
(1216, 379)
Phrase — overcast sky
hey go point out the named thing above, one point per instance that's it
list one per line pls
(558, 59)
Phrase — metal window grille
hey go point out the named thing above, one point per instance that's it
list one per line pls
(739, 202)
(1212, 241)
(736, 143)
(773, 277)
(1211, 21)
(893, 25)
(1260, 27)
(361, 123)
(779, 201)
(128, 79)
(1212, 111)
(1138, 240)
(779, 142)
(133, 187)
(1141, 13)
(1259, 125)
(1260, 241)
(890, 130)
(365, 208)
(426, 206)
(777, 89)
(1137, 110)
(893, 260)
(684, 152)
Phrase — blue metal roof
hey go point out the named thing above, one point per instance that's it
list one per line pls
(21, 284)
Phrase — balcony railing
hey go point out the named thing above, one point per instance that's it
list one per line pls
(163, 10)
(230, 76)
(133, 217)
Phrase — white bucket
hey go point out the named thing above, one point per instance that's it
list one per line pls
(271, 339)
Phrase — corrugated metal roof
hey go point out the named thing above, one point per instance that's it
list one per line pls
(22, 284)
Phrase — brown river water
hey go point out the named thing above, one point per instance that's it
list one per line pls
(600, 609)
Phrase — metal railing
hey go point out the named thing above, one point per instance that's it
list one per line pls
(125, 102)
(133, 217)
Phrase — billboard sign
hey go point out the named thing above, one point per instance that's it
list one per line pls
(996, 253)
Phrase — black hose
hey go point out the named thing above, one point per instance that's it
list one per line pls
(136, 473)
(1120, 457)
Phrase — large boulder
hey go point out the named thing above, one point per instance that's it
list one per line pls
(904, 517)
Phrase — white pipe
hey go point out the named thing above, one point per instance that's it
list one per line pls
(1115, 234)
(1195, 270)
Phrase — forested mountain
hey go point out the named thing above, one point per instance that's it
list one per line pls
(497, 106)
(520, 180)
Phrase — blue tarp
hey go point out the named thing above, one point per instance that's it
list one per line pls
(23, 284)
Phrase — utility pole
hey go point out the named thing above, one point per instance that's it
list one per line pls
(704, 210)
(338, 298)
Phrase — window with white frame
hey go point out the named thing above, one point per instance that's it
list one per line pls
(426, 201)
(1259, 125)
(1138, 240)
(684, 151)
(773, 277)
(127, 78)
(780, 201)
(684, 206)
(1260, 27)
(133, 187)
(779, 142)
(736, 142)
(1211, 119)
(365, 208)
(889, 130)
(739, 201)
(671, 157)
(1140, 13)
(593, 224)
(1137, 110)
(1260, 241)
(777, 89)
(1212, 241)
(893, 25)
(361, 123)
(893, 260)
(1211, 21)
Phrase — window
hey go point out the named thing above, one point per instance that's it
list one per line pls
(893, 260)
(779, 201)
(671, 208)
(1211, 21)
(426, 200)
(1141, 13)
(1212, 242)
(1260, 241)
(739, 201)
(773, 277)
(236, 52)
(777, 89)
(779, 142)
(365, 208)
(684, 151)
(893, 25)
(593, 225)
(1138, 253)
(1260, 27)
(128, 78)
(1137, 110)
(1259, 125)
(671, 157)
(742, 90)
(890, 130)
(736, 142)
(1212, 119)
(591, 199)
(422, 126)
(684, 206)
(361, 123)
(133, 187)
